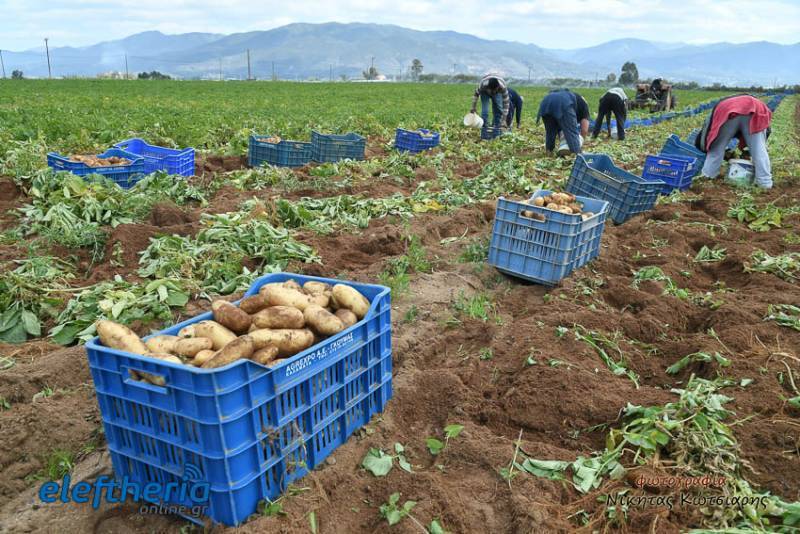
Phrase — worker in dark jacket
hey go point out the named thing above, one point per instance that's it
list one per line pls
(612, 101)
(564, 111)
(746, 118)
(492, 88)
(515, 108)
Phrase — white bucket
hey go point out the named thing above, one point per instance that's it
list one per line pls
(563, 148)
(741, 172)
(472, 120)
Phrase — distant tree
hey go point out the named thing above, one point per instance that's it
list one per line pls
(630, 73)
(611, 78)
(17, 75)
(153, 75)
(370, 74)
(416, 69)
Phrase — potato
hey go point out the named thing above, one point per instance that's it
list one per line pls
(289, 342)
(538, 201)
(186, 331)
(576, 208)
(189, 347)
(314, 288)
(349, 298)
(321, 299)
(241, 347)
(587, 215)
(292, 284)
(120, 337)
(279, 317)
(230, 316)
(528, 213)
(163, 344)
(283, 296)
(322, 321)
(552, 206)
(565, 209)
(254, 304)
(214, 331)
(202, 357)
(347, 317)
(265, 355)
(158, 380)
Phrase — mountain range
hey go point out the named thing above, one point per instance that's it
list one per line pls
(320, 51)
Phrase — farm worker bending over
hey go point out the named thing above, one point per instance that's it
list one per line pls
(612, 101)
(492, 87)
(562, 110)
(744, 117)
(514, 108)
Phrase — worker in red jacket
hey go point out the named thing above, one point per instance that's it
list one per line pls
(744, 117)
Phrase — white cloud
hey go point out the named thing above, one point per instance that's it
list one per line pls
(547, 23)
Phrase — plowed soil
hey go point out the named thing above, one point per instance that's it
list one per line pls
(559, 406)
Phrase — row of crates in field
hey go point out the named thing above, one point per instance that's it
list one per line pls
(143, 159)
(329, 148)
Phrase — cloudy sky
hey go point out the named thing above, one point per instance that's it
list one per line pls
(547, 23)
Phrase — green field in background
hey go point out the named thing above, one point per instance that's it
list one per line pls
(83, 115)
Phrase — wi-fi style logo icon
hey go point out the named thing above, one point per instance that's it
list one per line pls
(192, 472)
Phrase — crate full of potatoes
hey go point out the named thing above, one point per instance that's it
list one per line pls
(249, 397)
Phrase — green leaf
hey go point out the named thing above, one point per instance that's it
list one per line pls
(15, 334)
(377, 462)
(436, 528)
(434, 445)
(550, 469)
(398, 448)
(403, 463)
(177, 299)
(452, 431)
(312, 521)
(394, 517)
(31, 323)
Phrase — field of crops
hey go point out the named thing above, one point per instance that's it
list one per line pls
(516, 407)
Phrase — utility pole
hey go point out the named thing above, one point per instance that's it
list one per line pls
(454, 69)
(2, 64)
(529, 75)
(330, 74)
(249, 76)
(126, 66)
(273, 72)
(47, 48)
(220, 69)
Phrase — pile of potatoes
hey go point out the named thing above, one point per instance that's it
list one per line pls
(94, 161)
(282, 320)
(274, 140)
(560, 202)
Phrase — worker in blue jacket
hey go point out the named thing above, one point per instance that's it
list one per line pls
(514, 108)
(567, 112)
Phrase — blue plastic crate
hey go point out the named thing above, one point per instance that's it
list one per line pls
(125, 176)
(332, 148)
(245, 429)
(596, 176)
(673, 146)
(490, 132)
(158, 158)
(281, 154)
(675, 171)
(415, 140)
(549, 247)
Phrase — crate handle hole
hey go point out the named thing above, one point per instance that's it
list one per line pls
(529, 214)
(146, 380)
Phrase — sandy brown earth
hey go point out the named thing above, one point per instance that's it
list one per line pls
(559, 409)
